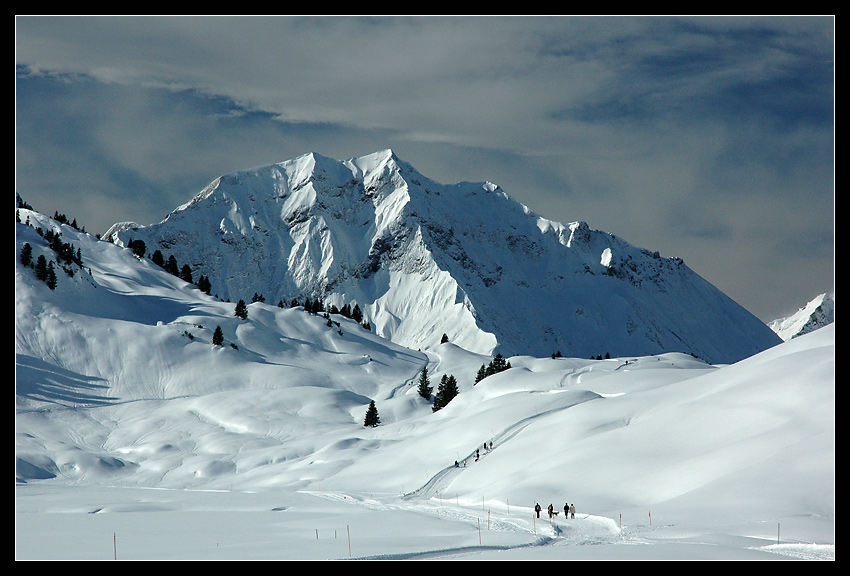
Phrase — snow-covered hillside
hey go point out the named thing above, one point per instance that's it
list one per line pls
(423, 259)
(816, 314)
(136, 437)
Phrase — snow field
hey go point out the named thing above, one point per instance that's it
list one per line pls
(126, 425)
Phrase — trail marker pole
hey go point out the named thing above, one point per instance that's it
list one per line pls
(114, 548)
(349, 540)
(479, 531)
(650, 517)
(777, 532)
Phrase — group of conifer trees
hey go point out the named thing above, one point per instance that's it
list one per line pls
(67, 255)
(318, 307)
(446, 391)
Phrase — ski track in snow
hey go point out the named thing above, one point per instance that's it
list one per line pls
(442, 479)
(584, 529)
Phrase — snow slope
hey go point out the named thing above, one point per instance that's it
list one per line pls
(136, 440)
(423, 259)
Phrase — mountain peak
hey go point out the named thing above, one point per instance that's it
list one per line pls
(817, 313)
(423, 259)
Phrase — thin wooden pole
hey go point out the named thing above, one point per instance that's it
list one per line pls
(349, 540)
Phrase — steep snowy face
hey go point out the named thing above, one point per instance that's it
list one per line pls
(814, 315)
(423, 259)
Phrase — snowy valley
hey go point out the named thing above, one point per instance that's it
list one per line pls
(140, 437)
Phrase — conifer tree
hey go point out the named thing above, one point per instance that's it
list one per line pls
(241, 310)
(157, 259)
(41, 268)
(425, 388)
(204, 284)
(138, 247)
(218, 337)
(171, 266)
(26, 254)
(372, 419)
(446, 391)
(51, 276)
(186, 273)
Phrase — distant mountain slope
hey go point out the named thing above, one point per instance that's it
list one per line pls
(816, 314)
(423, 259)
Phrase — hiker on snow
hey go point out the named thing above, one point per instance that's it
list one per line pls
(572, 510)
(566, 510)
(537, 509)
(550, 511)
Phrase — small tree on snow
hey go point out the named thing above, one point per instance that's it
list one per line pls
(372, 419)
(425, 388)
(218, 337)
(241, 310)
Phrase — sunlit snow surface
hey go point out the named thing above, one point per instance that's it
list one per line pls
(136, 438)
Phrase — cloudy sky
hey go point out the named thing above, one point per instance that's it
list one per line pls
(707, 138)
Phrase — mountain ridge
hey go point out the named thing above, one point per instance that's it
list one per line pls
(423, 259)
(817, 313)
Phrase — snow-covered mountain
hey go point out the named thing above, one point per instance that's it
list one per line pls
(137, 437)
(816, 314)
(423, 259)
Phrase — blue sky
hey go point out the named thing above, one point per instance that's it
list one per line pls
(706, 138)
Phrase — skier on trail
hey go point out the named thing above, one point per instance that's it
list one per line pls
(537, 509)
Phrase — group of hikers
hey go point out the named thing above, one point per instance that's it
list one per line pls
(487, 447)
(569, 510)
